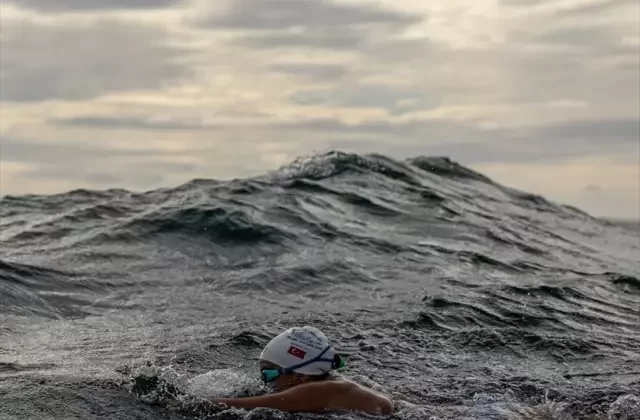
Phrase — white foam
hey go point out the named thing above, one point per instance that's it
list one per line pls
(626, 407)
(220, 383)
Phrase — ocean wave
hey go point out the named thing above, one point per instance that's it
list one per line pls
(469, 299)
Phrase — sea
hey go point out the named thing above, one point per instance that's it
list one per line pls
(459, 297)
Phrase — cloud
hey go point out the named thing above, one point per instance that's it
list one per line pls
(136, 123)
(329, 126)
(595, 8)
(602, 133)
(589, 8)
(83, 61)
(474, 145)
(344, 39)
(568, 104)
(416, 132)
(96, 178)
(523, 3)
(568, 59)
(90, 5)
(93, 165)
(292, 14)
(395, 99)
(575, 38)
(267, 24)
(311, 71)
(29, 151)
(562, 139)
(593, 188)
(559, 141)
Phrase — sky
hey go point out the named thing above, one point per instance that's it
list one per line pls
(540, 95)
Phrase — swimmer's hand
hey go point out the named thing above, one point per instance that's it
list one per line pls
(307, 398)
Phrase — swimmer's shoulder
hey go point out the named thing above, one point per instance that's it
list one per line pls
(348, 395)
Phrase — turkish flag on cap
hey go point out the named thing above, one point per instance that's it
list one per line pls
(299, 353)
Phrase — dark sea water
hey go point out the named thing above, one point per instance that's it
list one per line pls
(465, 298)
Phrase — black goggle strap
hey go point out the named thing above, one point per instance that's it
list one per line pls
(336, 363)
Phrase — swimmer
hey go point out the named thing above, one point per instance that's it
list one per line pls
(298, 364)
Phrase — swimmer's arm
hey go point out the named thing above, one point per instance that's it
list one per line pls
(296, 399)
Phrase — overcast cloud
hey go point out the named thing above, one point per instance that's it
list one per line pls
(84, 60)
(89, 5)
(284, 15)
(539, 95)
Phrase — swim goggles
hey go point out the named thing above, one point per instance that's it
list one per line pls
(270, 375)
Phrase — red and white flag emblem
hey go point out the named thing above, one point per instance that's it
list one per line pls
(299, 353)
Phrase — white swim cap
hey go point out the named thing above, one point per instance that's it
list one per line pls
(298, 345)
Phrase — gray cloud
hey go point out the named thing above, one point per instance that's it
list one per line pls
(136, 123)
(327, 125)
(569, 60)
(310, 71)
(593, 188)
(108, 171)
(589, 8)
(524, 3)
(60, 61)
(367, 96)
(409, 131)
(559, 141)
(580, 35)
(99, 166)
(568, 55)
(20, 150)
(580, 38)
(291, 14)
(469, 144)
(312, 23)
(139, 175)
(595, 8)
(341, 39)
(603, 133)
(86, 5)
(463, 142)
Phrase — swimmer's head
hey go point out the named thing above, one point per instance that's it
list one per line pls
(298, 355)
